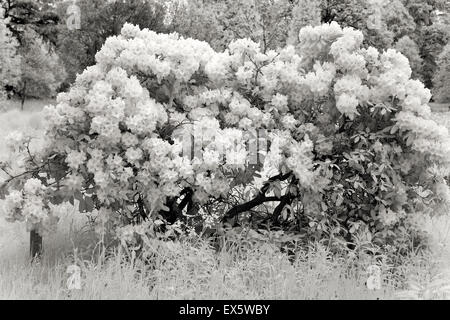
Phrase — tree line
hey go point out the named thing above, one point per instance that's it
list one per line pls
(41, 56)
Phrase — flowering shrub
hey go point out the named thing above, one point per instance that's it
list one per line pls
(332, 140)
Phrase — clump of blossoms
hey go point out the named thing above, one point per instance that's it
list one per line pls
(164, 128)
(31, 206)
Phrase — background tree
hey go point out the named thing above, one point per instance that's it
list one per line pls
(366, 16)
(423, 10)
(441, 80)
(431, 41)
(410, 49)
(100, 20)
(265, 21)
(41, 70)
(443, 13)
(304, 13)
(197, 19)
(397, 18)
(9, 58)
(430, 34)
(39, 15)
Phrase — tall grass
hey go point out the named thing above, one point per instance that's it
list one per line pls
(186, 270)
(192, 269)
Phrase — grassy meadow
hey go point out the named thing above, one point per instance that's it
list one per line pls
(191, 269)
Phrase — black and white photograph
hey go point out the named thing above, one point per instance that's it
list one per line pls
(224, 155)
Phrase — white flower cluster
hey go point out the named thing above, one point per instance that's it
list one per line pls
(300, 161)
(350, 93)
(315, 41)
(389, 217)
(371, 78)
(28, 205)
(319, 80)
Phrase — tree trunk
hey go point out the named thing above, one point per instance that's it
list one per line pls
(35, 244)
(23, 95)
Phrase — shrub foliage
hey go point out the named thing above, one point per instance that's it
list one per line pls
(162, 130)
